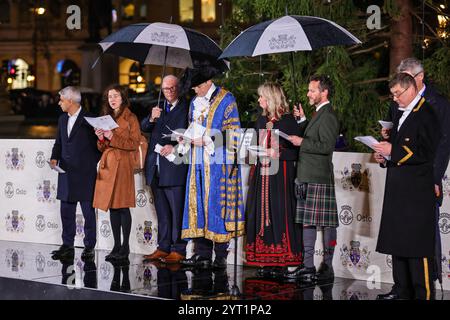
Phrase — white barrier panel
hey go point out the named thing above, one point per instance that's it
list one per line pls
(29, 211)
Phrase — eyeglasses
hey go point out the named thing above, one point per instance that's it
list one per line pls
(171, 89)
(397, 95)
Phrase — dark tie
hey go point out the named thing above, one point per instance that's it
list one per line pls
(314, 113)
(168, 106)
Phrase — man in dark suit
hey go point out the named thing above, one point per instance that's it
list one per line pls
(316, 199)
(167, 178)
(441, 107)
(75, 151)
(408, 222)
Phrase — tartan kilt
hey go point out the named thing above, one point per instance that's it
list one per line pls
(319, 208)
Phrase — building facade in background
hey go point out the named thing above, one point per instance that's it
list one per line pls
(38, 49)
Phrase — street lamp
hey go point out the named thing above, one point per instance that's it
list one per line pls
(37, 11)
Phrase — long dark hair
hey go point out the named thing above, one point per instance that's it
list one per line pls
(106, 108)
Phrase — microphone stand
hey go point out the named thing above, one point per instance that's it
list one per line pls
(235, 289)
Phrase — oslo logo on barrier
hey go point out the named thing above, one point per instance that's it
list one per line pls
(40, 223)
(355, 257)
(355, 180)
(9, 190)
(144, 234)
(444, 223)
(46, 192)
(40, 159)
(15, 160)
(40, 263)
(389, 260)
(141, 198)
(15, 222)
(346, 215)
(105, 229)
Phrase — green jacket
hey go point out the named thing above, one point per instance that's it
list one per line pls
(316, 151)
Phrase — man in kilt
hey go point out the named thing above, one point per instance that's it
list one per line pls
(316, 199)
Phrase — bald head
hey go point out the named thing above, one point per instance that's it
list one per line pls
(170, 88)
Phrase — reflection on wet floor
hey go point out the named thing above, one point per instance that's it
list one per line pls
(30, 261)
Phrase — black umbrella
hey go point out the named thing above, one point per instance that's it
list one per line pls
(162, 44)
(288, 34)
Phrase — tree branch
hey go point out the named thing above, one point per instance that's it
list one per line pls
(371, 81)
(428, 26)
(369, 49)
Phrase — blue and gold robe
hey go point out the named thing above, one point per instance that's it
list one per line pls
(211, 196)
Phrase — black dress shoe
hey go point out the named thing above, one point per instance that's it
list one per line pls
(88, 254)
(64, 253)
(388, 296)
(196, 261)
(220, 263)
(325, 272)
(301, 273)
(62, 249)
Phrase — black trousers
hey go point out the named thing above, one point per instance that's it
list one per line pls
(169, 205)
(204, 248)
(413, 277)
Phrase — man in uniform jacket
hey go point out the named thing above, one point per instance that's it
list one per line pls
(167, 179)
(75, 151)
(408, 222)
(441, 107)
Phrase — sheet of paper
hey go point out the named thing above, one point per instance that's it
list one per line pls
(386, 124)
(105, 122)
(257, 150)
(368, 141)
(57, 168)
(170, 157)
(281, 134)
(194, 131)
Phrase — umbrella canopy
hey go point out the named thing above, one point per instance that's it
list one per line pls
(161, 44)
(288, 34)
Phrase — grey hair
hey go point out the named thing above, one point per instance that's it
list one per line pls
(411, 65)
(171, 76)
(71, 93)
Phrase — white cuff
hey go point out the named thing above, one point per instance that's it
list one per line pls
(209, 145)
(302, 119)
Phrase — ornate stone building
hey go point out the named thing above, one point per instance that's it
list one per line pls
(39, 40)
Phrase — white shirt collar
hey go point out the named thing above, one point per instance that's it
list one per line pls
(210, 91)
(422, 90)
(173, 104)
(321, 105)
(413, 103)
(75, 115)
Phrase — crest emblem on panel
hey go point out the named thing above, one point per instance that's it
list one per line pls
(15, 222)
(355, 179)
(145, 233)
(15, 159)
(15, 260)
(46, 192)
(355, 257)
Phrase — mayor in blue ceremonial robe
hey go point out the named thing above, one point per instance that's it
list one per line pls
(213, 187)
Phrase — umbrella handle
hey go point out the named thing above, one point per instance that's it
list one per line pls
(163, 74)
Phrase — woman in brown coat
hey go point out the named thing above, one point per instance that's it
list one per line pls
(114, 187)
